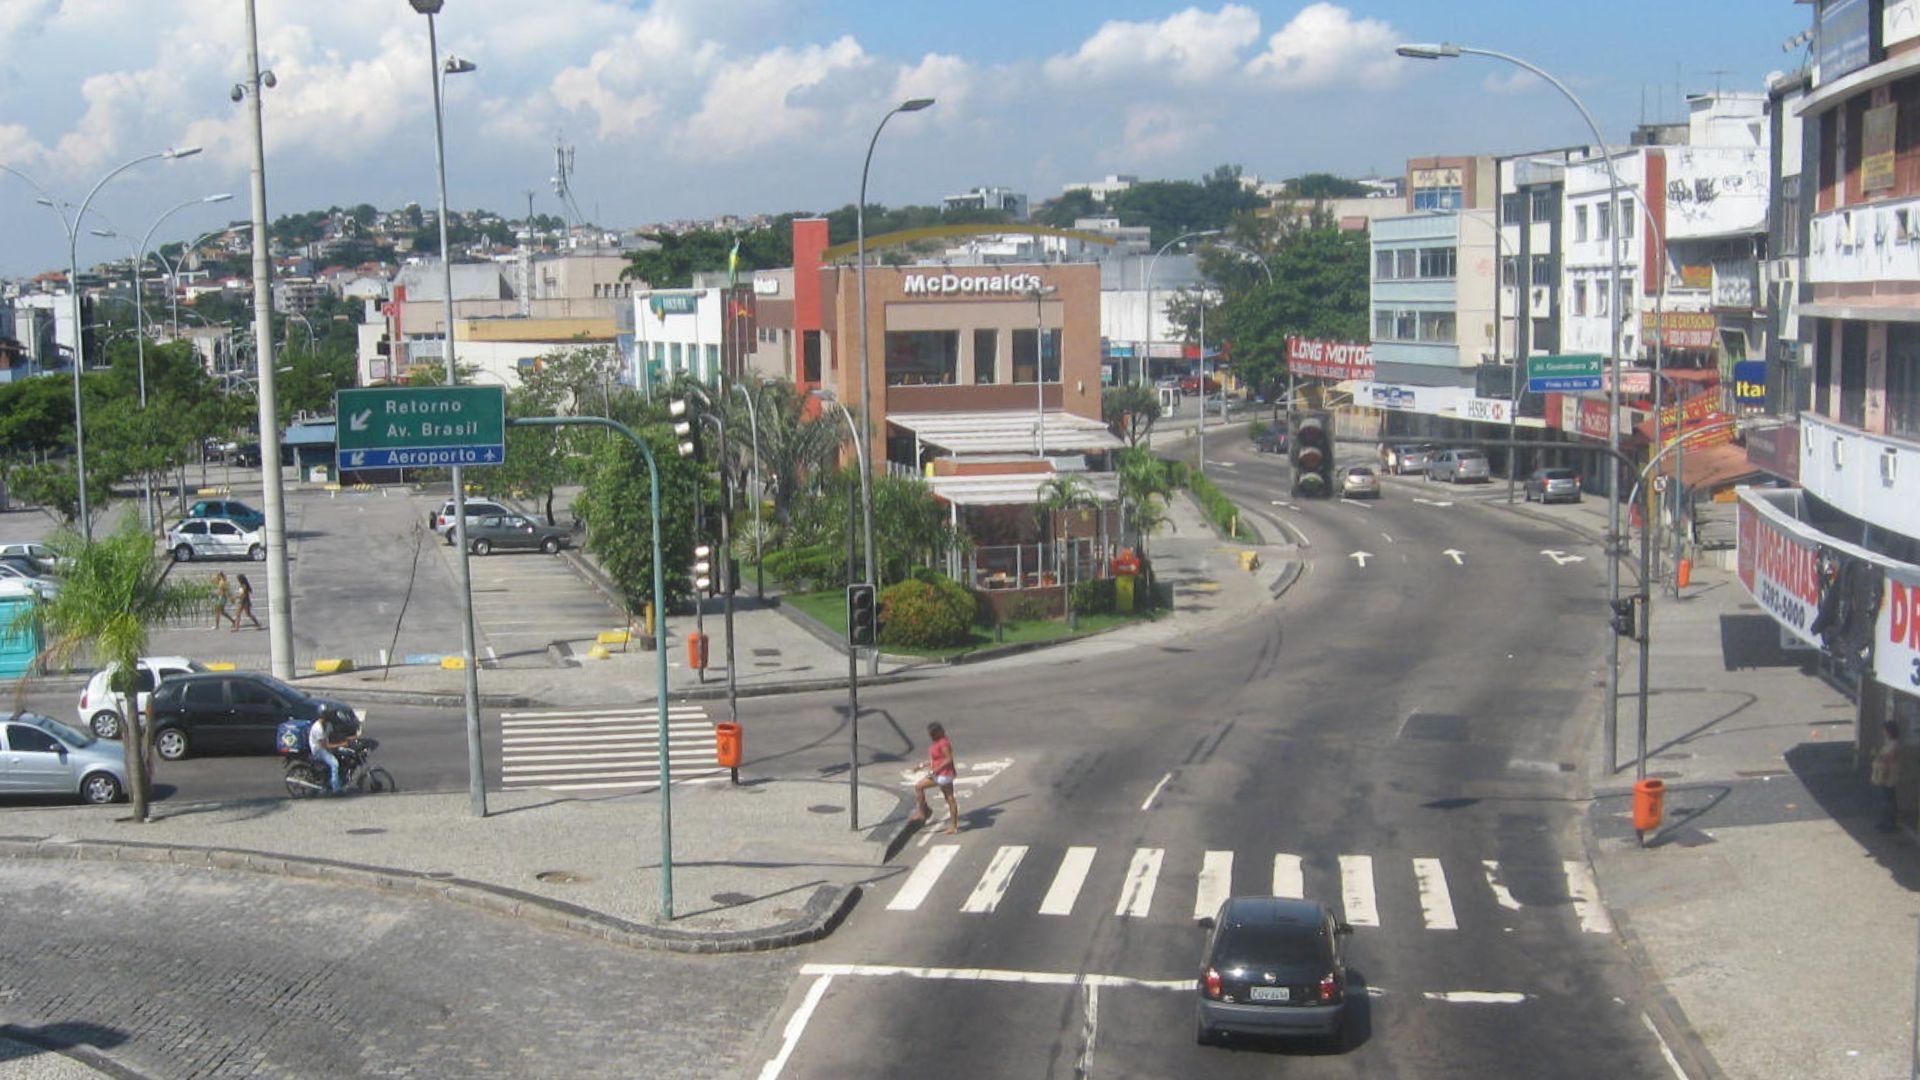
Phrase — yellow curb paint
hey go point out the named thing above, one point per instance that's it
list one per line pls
(222, 665)
(332, 667)
(454, 663)
(598, 652)
(613, 637)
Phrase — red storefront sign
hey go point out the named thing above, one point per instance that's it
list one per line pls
(1681, 329)
(1781, 570)
(1592, 419)
(1896, 636)
(1776, 449)
(1330, 359)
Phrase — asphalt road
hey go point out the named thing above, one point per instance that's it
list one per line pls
(1387, 727)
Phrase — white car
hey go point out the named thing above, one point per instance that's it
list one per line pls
(215, 538)
(47, 587)
(40, 554)
(99, 708)
(476, 509)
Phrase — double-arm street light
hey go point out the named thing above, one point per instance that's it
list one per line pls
(1146, 338)
(1614, 537)
(828, 399)
(866, 374)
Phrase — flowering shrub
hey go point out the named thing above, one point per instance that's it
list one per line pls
(926, 614)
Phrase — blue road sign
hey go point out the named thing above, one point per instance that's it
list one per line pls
(421, 457)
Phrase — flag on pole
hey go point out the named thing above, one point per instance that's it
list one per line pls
(733, 264)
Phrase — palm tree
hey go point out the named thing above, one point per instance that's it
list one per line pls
(1144, 478)
(1061, 493)
(115, 590)
(794, 446)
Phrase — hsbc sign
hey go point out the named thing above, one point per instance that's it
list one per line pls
(968, 284)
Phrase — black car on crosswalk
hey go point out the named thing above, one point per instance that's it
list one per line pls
(1273, 966)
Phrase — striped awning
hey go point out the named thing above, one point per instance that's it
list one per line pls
(1007, 432)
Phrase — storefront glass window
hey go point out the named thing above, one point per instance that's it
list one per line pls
(1903, 379)
(1023, 356)
(923, 357)
(986, 353)
(1853, 373)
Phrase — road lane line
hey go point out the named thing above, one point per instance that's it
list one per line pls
(1498, 883)
(1089, 1030)
(920, 882)
(796, 1026)
(1288, 880)
(1003, 975)
(1155, 793)
(1067, 881)
(1356, 890)
(993, 884)
(1216, 883)
(1136, 896)
(1586, 898)
(1665, 1051)
(1476, 997)
(1436, 903)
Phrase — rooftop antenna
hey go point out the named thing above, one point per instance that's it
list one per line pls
(562, 170)
(1716, 73)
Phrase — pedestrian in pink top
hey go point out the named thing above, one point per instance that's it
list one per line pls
(940, 772)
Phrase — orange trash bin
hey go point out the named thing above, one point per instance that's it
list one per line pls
(1683, 576)
(730, 742)
(1649, 804)
(697, 651)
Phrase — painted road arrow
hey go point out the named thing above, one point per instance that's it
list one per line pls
(1360, 557)
(1432, 502)
(1561, 558)
(1454, 554)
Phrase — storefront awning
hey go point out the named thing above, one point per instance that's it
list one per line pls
(1006, 432)
(1014, 489)
(1712, 468)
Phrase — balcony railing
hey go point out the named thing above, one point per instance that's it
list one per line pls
(1875, 478)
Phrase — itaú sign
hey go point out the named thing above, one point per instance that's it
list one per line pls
(965, 284)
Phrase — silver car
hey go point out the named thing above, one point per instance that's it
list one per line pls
(1359, 482)
(1454, 466)
(42, 756)
(1404, 459)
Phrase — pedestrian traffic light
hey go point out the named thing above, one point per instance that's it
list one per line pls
(702, 568)
(1629, 616)
(863, 622)
(1310, 447)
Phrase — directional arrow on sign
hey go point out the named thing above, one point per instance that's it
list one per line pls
(1431, 502)
(1454, 554)
(358, 421)
(357, 458)
(1360, 557)
(1561, 558)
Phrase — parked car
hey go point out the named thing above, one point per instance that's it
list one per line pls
(510, 532)
(227, 710)
(1406, 457)
(1190, 384)
(245, 455)
(1359, 482)
(99, 708)
(42, 756)
(1271, 440)
(215, 538)
(1273, 966)
(42, 556)
(442, 520)
(1553, 484)
(1453, 466)
(23, 574)
(232, 510)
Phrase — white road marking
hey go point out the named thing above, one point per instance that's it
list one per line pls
(1067, 881)
(1561, 558)
(1665, 1052)
(993, 884)
(1586, 898)
(1432, 502)
(1436, 903)
(796, 1026)
(1283, 502)
(1089, 1030)
(1356, 890)
(1476, 997)
(1388, 537)
(680, 776)
(1497, 883)
(1155, 793)
(1454, 554)
(1136, 896)
(1360, 557)
(1288, 880)
(913, 892)
(1001, 975)
(1526, 765)
(1216, 882)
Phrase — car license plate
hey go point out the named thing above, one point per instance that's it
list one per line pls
(1269, 993)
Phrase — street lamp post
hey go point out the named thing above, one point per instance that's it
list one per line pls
(476, 775)
(1260, 262)
(173, 275)
(1146, 362)
(853, 664)
(1614, 538)
(866, 375)
(753, 427)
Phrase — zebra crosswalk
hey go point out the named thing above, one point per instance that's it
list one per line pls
(604, 749)
(1441, 895)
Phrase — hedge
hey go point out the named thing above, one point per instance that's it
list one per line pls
(925, 613)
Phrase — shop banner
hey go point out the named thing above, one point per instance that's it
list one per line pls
(1330, 359)
(1592, 419)
(1680, 329)
(1781, 571)
(1488, 410)
(1896, 639)
(1750, 382)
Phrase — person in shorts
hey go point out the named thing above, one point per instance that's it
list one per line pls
(940, 771)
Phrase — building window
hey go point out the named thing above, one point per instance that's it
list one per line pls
(1383, 324)
(1903, 380)
(1625, 304)
(1406, 326)
(713, 359)
(986, 350)
(1436, 326)
(1513, 208)
(1599, 298)
(1543, 271)
(674, 351)
(1542, 339)
(1023, 356)
(1579, 298)
(1626, 219)
(1406, 264)
(1602, 222)
(1383, 265)
(1579, 224)
(1509, 272)
(923, 357)
(810, 356)
(1789, 227)
(1436, 262)
(1853, 373)
(1545, 203)
(1436, 198)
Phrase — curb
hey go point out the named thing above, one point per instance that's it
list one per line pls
(824, 911)
(85, 1056)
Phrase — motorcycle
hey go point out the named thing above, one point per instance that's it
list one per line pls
(306, 777)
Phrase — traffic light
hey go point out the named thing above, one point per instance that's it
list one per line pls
(863, 621)
(1629, 614)
(685, 433)
(1310, 447)
(702, 568)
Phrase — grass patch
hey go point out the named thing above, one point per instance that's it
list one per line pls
(830, 608)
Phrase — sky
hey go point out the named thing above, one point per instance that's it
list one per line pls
(682, 109)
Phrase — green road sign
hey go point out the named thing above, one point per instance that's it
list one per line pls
(421, 426)
(1579, 371)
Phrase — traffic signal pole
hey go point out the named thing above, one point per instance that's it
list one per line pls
(853, 686)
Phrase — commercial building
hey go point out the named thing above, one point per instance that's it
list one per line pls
(1006, 200)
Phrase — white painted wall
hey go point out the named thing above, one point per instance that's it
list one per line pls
(1715, 190)
(1879, 242)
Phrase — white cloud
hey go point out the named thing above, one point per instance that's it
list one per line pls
(1190, 46)
(1324, 46)
(1157, 132)
(765, 99)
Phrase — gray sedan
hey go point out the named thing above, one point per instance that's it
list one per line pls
(42, 756)
(511, 531)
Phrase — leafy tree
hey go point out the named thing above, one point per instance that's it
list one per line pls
(909, 526)
(682, 255)
(50, 484)
(563, 382)
(1130, 411)
(1068, 207)
(1171, 207)
(115, 591)
(1320, 290)
(1326, 186)
(1143, 479)
(798, 442)
(615, 504)
(1063, 493)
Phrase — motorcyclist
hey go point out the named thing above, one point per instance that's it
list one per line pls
(321, 746)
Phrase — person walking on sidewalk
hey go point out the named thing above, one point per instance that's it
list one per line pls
(940, 771)
(1886, 776)
(245, 606)
(222, 596)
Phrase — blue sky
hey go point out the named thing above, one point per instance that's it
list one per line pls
(691, 108)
